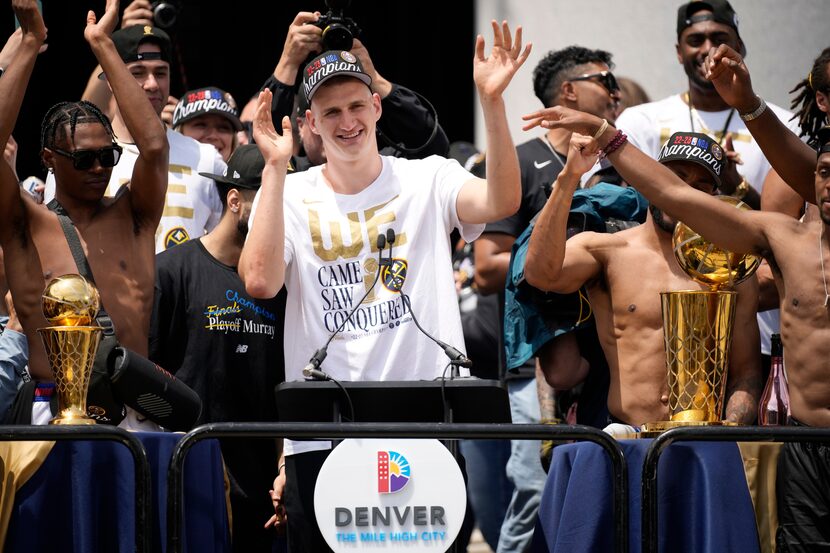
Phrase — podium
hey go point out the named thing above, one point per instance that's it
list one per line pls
(462, 400)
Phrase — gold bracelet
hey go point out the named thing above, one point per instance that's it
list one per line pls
(602, 129)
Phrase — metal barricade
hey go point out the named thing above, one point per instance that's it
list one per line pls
(143, 481)
(708, 434)
(443, 431)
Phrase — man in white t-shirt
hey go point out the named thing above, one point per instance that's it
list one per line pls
(316, 231)
(702, 25)
(192, 206)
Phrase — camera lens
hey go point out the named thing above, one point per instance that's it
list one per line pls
(337, 37)
(164, 14)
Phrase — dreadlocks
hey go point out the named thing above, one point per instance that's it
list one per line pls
(810, 117)
(53, 129)
(556, 67)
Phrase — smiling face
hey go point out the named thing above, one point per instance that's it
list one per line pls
(211, 129)
(344, 113)
(694, 43)
(81, 185)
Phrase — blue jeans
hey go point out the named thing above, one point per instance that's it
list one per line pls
(488, 487)
(524, 469)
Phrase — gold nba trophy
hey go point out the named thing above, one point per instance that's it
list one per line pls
(697, 328)
(70, 303)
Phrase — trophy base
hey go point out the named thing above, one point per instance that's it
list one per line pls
(68, 417)
(654, 429)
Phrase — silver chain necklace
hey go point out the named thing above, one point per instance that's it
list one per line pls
(559, 158)
(821, 257)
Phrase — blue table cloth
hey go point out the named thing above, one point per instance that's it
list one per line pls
(82, 499)
(704, 502)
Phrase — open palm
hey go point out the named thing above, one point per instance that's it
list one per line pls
(493, 73)
(274, 147)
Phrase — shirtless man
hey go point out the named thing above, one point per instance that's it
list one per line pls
(79, 148)
(614, 269)
(796, 252)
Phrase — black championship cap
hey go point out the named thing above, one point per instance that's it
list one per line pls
(722, 12)
(244, 168)
(128, 40)
(329, 65)
(206, 101)
(696, 148)
(823, 138)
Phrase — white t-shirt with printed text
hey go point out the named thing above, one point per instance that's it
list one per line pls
(331, 261)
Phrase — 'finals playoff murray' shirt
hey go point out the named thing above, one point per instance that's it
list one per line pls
(331, 260)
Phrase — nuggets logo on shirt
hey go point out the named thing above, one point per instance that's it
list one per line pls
(175, 236)
(394, 275)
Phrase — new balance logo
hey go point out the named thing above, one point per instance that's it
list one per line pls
(543, 164)
(242, 348)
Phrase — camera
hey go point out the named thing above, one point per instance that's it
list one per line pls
(165, 13)
(338, 30)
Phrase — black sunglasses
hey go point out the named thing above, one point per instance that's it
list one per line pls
(605, 78)
(85, 159)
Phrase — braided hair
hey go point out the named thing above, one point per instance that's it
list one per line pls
(804, 106)
(556, 68)
(53, 129)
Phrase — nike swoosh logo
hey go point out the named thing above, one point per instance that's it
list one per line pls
(543, 164)
(311, 201)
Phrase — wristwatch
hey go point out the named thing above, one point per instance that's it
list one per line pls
(756, 113)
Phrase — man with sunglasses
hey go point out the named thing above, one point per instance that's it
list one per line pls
(575, 77)
(701, 26)
(79, 148)
(192, 204)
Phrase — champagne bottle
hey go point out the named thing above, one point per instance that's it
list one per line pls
(774, 407)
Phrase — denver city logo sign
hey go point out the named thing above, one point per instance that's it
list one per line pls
(393, 495)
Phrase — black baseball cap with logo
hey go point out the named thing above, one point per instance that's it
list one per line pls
(722, 12)
(329, 65)
(695, 148)
(129, 39)
(244, 168)
(206, 101)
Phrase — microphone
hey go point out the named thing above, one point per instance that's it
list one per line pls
(312, 369)
(455, 356)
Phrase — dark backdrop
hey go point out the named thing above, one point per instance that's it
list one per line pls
(235, 44)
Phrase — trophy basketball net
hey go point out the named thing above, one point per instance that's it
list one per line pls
(70, 303)
(697, 328)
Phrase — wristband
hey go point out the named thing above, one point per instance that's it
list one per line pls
(618, 140)
(280, 469)
(601, 130)
(756, 113)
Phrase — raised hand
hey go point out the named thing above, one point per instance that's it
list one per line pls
(493, 73)
(726, 70)
(139, 12)
(559, 117)
(583, 152)
(302, 39)
(98, 29)
(275, 148)
(31, 21)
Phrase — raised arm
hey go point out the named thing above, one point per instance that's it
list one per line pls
(734, 229)
(262, 263)
(148, 185)
(553, 265)
(483, 201)
(794, 160)
(12, 88)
